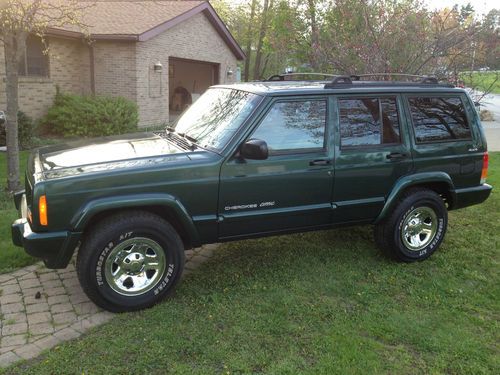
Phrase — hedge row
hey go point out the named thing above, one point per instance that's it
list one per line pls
(90, 116)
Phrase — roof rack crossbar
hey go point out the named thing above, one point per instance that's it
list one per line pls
(281, 77)
(275, 77)
(431, 80)
(339, 81)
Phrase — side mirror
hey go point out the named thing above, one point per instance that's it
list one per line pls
(254, 149)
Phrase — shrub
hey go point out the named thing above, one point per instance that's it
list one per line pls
(90, 116)
(25, 131)
(486, 115)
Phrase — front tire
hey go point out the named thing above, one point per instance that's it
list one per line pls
(130, 261)
(415, 228)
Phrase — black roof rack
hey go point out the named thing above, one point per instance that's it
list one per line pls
(341, 80)
(411, 80)
(359, 80)
(358, 77)
(281, 77)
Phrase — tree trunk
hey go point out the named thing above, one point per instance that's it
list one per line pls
(248, 48)
(262, 35)
(313, 60)
(13, 46)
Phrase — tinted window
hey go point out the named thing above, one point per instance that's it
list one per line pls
(438, 119)
(296, 125)
(368, 121)
(34, 61)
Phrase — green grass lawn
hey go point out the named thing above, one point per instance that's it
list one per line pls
(319, 303)
(11, 257)
(484, 81)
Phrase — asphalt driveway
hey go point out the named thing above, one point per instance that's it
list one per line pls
(492, 132)
(491, 102)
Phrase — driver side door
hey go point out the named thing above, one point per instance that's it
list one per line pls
(292, 188)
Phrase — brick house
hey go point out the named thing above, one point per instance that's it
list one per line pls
(160, 54)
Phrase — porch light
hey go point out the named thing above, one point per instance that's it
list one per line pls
(158, 67)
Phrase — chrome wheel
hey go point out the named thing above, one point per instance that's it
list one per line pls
(419, 228)
(135, 266)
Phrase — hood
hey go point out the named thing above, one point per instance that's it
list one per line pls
(118, 151)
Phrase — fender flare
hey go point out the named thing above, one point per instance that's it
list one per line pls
(166, 201)
(410, 181)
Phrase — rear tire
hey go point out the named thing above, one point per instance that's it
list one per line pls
(415, 227)
(130, 261)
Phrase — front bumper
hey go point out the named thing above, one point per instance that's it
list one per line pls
(54, 248)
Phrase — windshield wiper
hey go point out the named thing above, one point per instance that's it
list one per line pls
(189, 138)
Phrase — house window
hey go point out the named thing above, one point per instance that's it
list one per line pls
(34, 62)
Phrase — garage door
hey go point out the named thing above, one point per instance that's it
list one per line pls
(188, 79)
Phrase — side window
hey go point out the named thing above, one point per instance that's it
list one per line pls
(368, 121)
(438, 119)
(295, 125)
(34, 61)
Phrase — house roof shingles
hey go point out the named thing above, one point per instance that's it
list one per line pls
(142, 20)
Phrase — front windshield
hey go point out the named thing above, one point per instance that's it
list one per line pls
(214, 118)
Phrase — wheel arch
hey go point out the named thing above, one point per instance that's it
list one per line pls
(439, 182)
(164, 205)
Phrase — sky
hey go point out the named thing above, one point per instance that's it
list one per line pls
(480, 6)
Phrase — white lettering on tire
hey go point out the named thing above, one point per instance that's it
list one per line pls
(166, 279)
(100, 262)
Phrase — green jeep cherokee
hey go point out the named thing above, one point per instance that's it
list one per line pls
(252, 160)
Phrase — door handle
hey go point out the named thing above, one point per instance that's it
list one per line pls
(320, 162)
(396, 156)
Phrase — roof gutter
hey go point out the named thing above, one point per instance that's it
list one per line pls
(79, 35)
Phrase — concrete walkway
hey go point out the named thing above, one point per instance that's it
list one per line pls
(40, 308)
(492, 133)
(491, 102)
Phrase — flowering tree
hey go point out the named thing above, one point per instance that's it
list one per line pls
(18, 19)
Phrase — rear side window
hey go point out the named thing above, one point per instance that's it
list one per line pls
(438, 119)
(368, 121)
(294, 126)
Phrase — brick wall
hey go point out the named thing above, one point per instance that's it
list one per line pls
(69, 68)
(69, 65)
(194, 39)
(115, 69)
(36, 95)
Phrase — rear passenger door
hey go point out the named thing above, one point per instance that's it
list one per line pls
(373, 153)
(442, 137)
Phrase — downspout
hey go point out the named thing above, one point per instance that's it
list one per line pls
(92, 69)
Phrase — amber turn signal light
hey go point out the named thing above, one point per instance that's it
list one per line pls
(484, 171)
(42, 210)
